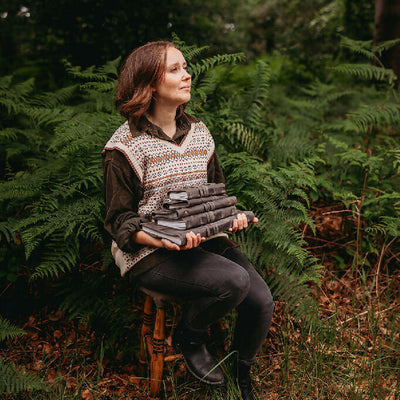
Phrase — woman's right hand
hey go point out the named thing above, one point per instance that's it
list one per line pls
(192, 241)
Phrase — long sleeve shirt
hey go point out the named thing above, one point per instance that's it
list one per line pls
(122, 192)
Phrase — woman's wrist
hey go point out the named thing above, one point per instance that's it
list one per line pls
(144, 238)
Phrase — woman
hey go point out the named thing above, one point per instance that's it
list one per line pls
(157, 149)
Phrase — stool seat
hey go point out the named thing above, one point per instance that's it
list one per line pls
(159, 298)
(152, 338)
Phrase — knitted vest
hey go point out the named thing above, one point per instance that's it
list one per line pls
(161, 166)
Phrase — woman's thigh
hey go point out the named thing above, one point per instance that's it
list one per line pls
(194, 273)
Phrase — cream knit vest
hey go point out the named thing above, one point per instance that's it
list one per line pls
(161, 166)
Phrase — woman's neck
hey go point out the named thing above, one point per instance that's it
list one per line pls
(165, 119)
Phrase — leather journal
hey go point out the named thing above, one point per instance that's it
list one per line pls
(215, 203)
(197, 219)
(208, 189)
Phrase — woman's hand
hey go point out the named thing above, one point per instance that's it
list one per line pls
(241, 222)
(192, 241)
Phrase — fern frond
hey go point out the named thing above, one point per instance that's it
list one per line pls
(248, 140)
(367, 71)
(72, 219)
(204, 65)
(93, 73)
(24, 186)
(49, 116)
(369, 117)
(391, 225)
(9, 134)
(5, 82)
(13, 96)
(8, 330)
(105, 87)
(189, 52)
(6, 232)
(256, 96)
(57, 257)
(13, 380)
(361, 47)
(110, 68)
(380, 48)
(54, 99)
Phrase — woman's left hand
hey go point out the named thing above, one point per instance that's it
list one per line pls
(192, 240)
(241, 222)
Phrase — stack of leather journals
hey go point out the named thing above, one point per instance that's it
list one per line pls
(205, 209)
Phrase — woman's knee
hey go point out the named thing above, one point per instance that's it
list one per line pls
(236, 284)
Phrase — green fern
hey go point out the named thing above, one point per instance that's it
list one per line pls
(8, 330)
(13, 95)
(367, 48)
(14, 380)
(368, 117)
(278, 198)
(367, 71)
(58, 197)
(97, 74)
(189, 52)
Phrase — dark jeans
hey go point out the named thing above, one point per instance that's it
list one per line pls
(212, 285)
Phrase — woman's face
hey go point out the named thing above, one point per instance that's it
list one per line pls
(174, 88)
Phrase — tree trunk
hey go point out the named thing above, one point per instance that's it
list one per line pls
(387, 27)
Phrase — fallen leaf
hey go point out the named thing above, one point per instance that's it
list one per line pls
(86, 395)
(51, 376)
(57, 334)
(37, 365)
(55, 316)
(47, 348)
(71, 382)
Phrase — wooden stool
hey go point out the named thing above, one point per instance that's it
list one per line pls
(152, 339)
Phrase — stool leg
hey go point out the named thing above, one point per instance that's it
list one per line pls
(157, 355)
(147, 325)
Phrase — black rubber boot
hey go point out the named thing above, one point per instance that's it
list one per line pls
(199, 362)
(241, 373)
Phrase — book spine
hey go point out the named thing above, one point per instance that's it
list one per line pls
(211, 189)
(216, 227)
(206, 206)
(209, 217)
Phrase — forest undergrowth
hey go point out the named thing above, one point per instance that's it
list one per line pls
(317, 158)
(353, 354)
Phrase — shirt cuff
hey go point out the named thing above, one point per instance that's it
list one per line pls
(125, 232)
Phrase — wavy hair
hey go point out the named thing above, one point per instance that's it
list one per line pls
(142, 69)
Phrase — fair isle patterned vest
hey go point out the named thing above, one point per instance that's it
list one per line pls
(161, 166)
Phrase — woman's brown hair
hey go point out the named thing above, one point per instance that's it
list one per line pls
(141, 70)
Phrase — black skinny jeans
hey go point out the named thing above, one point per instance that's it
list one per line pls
(212, 285)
